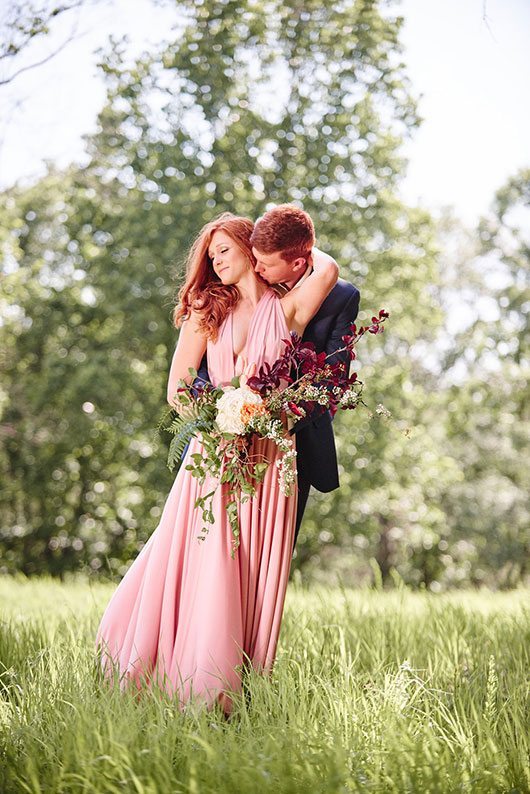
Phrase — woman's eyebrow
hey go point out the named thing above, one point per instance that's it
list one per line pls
(217, 246)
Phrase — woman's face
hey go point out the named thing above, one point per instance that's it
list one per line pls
(228, 260)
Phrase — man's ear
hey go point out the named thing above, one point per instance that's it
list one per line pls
(298, 263)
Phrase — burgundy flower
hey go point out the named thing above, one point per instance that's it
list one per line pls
(295, 409)
(300, 365)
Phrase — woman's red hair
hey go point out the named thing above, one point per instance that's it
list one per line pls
(203, 290)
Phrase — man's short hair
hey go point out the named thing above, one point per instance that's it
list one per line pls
(285, 229)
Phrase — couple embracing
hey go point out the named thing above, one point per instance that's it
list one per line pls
(187, 615)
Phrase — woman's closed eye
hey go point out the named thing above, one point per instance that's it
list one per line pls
(212, 256)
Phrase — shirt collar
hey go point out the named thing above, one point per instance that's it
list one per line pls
(300, 281)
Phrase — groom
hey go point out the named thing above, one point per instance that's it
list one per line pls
(281, 242)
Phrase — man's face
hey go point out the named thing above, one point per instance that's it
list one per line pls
(274, 269)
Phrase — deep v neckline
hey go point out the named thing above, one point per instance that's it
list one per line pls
(236, 356)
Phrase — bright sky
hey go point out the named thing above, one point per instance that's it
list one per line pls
(472, 75)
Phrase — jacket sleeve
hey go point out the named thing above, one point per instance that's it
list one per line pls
(346, 316)
(341, 327)
(202, 374)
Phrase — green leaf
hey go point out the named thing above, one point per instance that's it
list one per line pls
(260, 469)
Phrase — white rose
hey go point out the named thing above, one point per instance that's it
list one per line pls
(229, 407)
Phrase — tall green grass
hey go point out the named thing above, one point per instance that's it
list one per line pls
(372, 691)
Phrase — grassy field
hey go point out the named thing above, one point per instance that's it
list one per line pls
(372, 691)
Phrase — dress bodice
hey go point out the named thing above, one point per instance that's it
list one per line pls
(266, 331)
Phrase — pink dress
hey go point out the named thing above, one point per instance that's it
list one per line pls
(186, 614)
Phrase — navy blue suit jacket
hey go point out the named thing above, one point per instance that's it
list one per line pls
(315, 444)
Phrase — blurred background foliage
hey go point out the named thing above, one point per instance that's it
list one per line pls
(255, 103)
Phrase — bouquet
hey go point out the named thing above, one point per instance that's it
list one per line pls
(300, 383)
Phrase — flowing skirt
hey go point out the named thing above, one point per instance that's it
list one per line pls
(186, 614)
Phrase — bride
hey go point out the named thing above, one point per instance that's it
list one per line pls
(186, 615)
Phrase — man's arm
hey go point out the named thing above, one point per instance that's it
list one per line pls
(344, 319)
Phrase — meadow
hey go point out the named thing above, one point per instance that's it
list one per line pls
(372, 691)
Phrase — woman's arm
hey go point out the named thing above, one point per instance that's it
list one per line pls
(189, 351)
(303, 302)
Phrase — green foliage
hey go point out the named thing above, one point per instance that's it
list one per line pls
(184, 431)
(370, 691)
(83, 377)
(488, 414)
(249, 104)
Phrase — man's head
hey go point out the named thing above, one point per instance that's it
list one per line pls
(281, 242)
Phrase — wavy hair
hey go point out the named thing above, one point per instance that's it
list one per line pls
(203, 290)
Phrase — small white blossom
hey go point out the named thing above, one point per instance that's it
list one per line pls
(317, 394)
(286, 466)
(349, 397)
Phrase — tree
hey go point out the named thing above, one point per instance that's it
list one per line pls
(488, 412)
(252, 103)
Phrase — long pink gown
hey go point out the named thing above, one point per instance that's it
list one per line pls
(186, 614)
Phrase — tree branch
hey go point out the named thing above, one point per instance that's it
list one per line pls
(26, 25)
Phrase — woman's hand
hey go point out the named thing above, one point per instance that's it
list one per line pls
(184, 410)
(249, 371)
